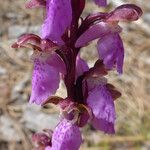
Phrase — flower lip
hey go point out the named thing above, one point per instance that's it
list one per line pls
(66, 136)
(46, 75)
(102, 105)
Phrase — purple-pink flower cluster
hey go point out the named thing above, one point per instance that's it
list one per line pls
(56, 55)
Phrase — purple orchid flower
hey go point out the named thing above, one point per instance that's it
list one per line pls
(64, 137)
(97, 105)
(90, 98)
(100, 98)
(47, 67)
(110, 46)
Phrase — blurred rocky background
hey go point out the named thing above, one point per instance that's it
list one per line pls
(18, 120)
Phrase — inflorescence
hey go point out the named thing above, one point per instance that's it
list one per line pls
(56, 54)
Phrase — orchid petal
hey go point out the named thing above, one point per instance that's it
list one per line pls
(126, 12)
(56, 62)
(102, 105)
(96, 31)
(81, 66)
(58, 19)
(45, 79)
(101, 2)
(111, 51)
(66, 136)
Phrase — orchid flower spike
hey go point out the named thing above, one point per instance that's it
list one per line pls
(56, 55)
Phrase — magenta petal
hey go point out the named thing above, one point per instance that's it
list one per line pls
(101, 2)
(58, 19)
(56, 62)
(96, 31)
(35, 3)
(81, 66)
(103, 109)
(111, 50)
(126, 12)
(45, 80)
(66, 136)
